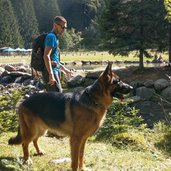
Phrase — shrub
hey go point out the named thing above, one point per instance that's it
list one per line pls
(162, 133)
(134, 140)
(120, 119)
(8, 103)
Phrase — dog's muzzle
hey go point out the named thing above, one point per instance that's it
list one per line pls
(121, 89)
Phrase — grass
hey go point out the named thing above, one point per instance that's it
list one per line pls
(98, 157)
(78, 56)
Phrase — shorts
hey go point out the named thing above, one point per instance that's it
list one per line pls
(56, 87)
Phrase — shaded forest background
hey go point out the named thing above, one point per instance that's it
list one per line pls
(117, 26)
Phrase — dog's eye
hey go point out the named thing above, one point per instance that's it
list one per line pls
(115, 81)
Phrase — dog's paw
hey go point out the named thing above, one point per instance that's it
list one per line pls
(41, 153)
(28, 161)
(85, 169)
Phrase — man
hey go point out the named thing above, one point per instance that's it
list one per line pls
(51, 73)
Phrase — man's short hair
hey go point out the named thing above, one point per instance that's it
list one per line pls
(59, 19)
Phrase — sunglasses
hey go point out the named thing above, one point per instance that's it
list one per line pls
(63, 27)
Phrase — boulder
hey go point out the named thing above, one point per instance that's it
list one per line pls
(160, 84)
(1, 70)
(166, 92)
(93, 75)
(22, 69)
(6, 79)
(75, 81)
(136, 84)
(19, 73)
(10, 68)
(149, 83)
(145, 93)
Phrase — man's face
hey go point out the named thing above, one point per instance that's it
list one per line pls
(60, 27)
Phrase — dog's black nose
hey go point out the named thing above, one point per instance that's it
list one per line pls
(126, 88)
(130, 87)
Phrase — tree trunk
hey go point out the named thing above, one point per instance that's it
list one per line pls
(141, 50)
(141, 63)
(169, 43)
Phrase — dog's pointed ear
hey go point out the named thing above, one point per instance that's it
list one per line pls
(108, 70)
(107, 74)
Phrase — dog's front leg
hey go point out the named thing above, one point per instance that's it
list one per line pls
(76, 142)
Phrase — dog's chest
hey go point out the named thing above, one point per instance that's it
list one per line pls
(101, 118)
(98, 121)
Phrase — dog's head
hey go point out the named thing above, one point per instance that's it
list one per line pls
(112, 84)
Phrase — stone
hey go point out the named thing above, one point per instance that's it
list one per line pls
(166, 92)
(145, 93)
(160, 84)
(75, 81)
(10, 68)
(149, 83)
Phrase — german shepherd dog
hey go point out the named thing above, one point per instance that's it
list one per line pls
(77, 115)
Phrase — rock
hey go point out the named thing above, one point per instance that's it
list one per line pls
(2, 87)
(10, 68)
(145, 93)
(1, 70)
(6, 79)
(13, 85)
(27, 82)
(5, 73)
(75, 81)
(150, 111)
(137, 84)
(85, 62)
(166, 92)
(135, 99)
(149, 83)
(18, 79)
(22, 69)
(19, 73)
(160, 84)
(93, 75)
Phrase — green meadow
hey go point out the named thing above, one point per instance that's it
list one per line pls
(79, 56)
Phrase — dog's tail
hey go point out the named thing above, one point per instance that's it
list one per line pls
(17, 139)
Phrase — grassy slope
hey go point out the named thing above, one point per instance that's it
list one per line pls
(98, 157)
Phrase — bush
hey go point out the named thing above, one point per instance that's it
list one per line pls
(163, 137)
(134, 140)
(8, 103)
(120, 119)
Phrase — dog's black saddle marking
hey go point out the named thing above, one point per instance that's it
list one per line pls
(48, 106)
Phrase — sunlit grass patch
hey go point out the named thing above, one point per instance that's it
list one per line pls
(98, 157)
(80, 56)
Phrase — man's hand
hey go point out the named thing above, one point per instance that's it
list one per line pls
(52, 80)
(69, 74)
(35, 74)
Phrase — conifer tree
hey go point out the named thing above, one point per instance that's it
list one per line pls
(134, 25)
(45, 12)
(167, 4)
(25, 14)
(9, 30)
